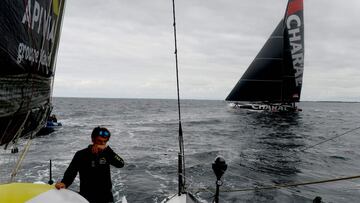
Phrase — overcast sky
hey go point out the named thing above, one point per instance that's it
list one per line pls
(125, 48)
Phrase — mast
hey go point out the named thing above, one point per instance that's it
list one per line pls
(55, 46)
(181, 155)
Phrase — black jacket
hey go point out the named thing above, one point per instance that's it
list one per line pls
(94, 171)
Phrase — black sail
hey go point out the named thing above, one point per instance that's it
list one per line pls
(29, 38)
(275, 75)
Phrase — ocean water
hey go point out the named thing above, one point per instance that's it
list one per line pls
(261, 149)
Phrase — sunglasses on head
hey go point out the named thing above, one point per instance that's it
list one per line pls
(104, 133)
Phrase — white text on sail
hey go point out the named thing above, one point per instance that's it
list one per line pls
(39, 19)
(293, 24)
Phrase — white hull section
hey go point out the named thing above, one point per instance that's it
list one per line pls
(37, 193)
(183, 198)
(266, 107)
(123, 199)
(58, 196)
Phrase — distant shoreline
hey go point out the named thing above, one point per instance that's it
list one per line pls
(325, 101)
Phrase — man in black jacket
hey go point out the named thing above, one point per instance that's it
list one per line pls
(93, 164)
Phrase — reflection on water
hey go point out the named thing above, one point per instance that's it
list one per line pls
(272, 152)
(276, 146)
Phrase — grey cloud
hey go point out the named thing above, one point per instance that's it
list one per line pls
(129, 45)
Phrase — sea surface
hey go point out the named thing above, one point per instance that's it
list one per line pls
(260, 149)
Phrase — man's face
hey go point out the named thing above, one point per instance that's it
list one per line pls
(98, 140)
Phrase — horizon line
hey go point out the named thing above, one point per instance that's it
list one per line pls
(83, 97)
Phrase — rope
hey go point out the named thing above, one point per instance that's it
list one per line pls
(294, 184)
(21, 128)
(305, 183)
(20, 160)
(287, 185)
(327, 140)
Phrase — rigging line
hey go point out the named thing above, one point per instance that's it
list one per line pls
(327, 140)
(181, 141)
(322, 142)
(287, 185)
(21, 129)
(20, 160)
(13, 139)
(279, 186)
(312, 146)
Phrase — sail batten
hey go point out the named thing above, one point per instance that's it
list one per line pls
(254, 80)
(275, 75)
(269, 58)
